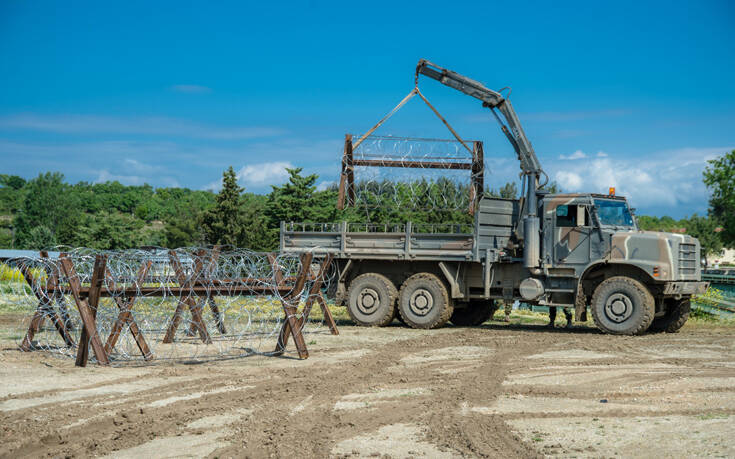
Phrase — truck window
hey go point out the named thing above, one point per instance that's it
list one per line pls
(613, 213)
(564, 217)
(572, 215)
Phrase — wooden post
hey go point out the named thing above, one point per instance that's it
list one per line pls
(315, 294)
(84, 305)
(125, 317)
(477, 178)
(45, 308)
(206, 272)
(218, 319)
(343, 177)
(189, 301)
(291, 323)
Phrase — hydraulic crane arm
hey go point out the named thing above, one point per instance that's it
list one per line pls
(494, 100)
(514, 132)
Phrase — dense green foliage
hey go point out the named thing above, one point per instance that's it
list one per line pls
(719, 176)
(46, 211)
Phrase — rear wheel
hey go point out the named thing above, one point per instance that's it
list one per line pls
(423, 302)
(476, 313)
(371, 300)
(622, 306)
(676, 316)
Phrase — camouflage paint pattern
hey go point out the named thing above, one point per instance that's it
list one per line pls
(650, 250)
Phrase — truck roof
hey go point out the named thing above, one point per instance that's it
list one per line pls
(582, 195)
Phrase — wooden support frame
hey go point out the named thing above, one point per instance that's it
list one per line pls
(189, 301)
(202, 286)
(45, 307)
(87, 309)
(206, 272)
(315, 294)
(291, 324)
(125, 317)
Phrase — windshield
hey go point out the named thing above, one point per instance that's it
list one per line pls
(613, 213)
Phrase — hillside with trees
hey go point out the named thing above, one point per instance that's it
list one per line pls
(46, 211)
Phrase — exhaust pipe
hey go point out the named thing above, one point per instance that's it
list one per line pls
(531, 238)
(531, 242)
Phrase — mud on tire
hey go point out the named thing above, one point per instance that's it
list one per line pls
(622, 306)
(476, 313)
(423, 302)
(675, 317)
(371, 300)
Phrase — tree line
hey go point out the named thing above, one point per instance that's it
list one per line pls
(47, 211)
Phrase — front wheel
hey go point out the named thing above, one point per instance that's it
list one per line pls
(622, 306)
(676, 316)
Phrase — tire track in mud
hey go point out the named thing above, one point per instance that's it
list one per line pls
(291, 404)
(314, 432)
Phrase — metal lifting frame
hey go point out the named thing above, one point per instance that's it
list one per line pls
(347, 177)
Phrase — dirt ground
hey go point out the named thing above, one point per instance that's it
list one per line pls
(497, 391)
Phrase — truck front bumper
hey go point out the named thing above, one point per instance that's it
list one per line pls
(685, 288)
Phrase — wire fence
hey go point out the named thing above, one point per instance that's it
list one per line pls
(159, 305)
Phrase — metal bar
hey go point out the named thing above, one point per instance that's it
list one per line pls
(413, 164)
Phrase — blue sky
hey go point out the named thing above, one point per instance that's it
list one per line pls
(632, 94)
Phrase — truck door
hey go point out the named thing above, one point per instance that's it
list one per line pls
(572, 231)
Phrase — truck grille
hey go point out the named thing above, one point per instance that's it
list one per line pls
(687, 258)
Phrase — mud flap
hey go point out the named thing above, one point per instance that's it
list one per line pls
(580, 308)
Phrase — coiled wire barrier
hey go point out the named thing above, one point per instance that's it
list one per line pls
(158, 305)
(413, 173)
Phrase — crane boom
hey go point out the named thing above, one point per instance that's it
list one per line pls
(514, 132)
(494, 100)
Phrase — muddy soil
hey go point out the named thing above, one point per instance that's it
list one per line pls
(492, 391)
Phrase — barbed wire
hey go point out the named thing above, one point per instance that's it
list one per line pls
(415, 174)
(238, 293)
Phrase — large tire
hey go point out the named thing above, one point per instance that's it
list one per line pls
(622, 306)
(423, 302)
(676, 316)
(371, 300)
(476, 313)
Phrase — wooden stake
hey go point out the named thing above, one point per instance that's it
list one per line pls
(125, 317)
(84, 305)
(291, 324)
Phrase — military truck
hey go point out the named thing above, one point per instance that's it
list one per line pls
(582, 250)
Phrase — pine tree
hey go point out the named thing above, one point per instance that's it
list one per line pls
(224, 224)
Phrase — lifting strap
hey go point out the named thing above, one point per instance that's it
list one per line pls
(403, 102)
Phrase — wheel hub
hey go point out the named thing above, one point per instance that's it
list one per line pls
(618, 307)
(421, 302)
(368, 301)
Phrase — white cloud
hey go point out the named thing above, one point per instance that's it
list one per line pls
(138, 167)
(191, 88)
(324, 185)
(258, 176)
(579, 154)
(264, 173)
(663, 180)
(158, 126)
(106, 176)
(569, 180)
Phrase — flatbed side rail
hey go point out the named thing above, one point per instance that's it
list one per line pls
(391, 241)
